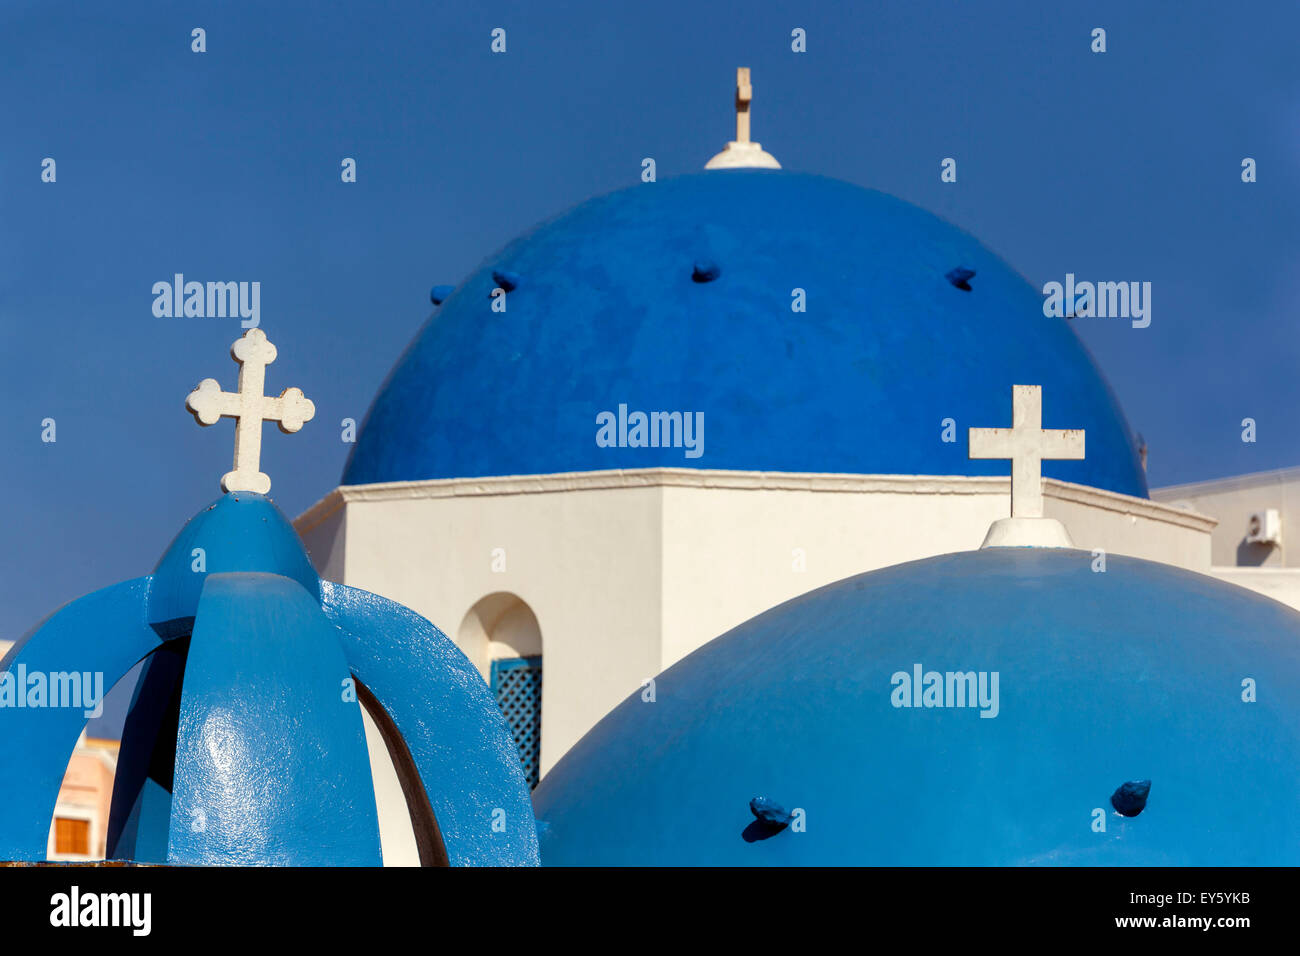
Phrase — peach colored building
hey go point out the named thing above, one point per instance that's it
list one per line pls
(80, 822)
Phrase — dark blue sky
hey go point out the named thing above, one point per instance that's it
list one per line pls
(225, 166)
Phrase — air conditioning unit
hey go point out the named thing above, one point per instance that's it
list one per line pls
(1264, 527)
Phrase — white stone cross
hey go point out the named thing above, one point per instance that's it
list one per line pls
(249, 407)
(744, 93)
(1027, 444)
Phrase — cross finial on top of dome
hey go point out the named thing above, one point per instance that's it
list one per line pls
(249, 407)
(744, 93)
(1027, 444)
(741, 152)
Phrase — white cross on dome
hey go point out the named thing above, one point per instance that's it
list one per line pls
(1027, 444)
(743, 152)
(249, 407)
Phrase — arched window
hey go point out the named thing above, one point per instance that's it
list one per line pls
(501, 635)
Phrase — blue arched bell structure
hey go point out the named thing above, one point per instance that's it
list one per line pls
(244, 742)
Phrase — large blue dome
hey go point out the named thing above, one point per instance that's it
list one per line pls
(676, 296)
(1131, 674)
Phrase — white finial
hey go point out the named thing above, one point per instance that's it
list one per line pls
(250, 408)
(741, 152)
(1027, 444)
(744, 93)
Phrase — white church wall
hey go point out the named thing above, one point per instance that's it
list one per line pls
(583, 555)
(734, 552)
(327, 547)
(396, 832)
(499, 626)
(1120, 524)
(737, 544)
(627, 572)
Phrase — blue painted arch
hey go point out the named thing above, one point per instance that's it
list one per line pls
(244, 743)
(607, 310)
(462, 747)
(272, 766)
(105, 632)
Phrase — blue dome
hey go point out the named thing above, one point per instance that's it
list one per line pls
(240, 531)
(1135, 674)
(677, 295)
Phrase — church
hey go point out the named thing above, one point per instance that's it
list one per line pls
(759, 500)
(816, 331)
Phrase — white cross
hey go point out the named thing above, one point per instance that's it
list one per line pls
(250, 408)
(1027, 444)
(744, 93)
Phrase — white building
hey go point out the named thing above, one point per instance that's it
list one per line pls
(1249, 545)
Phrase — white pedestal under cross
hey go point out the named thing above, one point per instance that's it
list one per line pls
(249, 407)
(1027, 444)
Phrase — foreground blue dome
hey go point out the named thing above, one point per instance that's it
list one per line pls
(1104, 679)
(676, 296)
(244, 742)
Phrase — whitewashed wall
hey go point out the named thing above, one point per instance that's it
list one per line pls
(629, 571)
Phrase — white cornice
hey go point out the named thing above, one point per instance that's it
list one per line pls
(739, 481)
(1126, 504)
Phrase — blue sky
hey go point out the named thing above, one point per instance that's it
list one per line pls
(225, 166)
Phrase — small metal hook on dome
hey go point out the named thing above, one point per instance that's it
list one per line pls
(1131, 798)
(960, 277)
(705, 270)
(506, 280)
(770, 818)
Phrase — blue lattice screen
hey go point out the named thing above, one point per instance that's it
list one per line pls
(517, 685)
